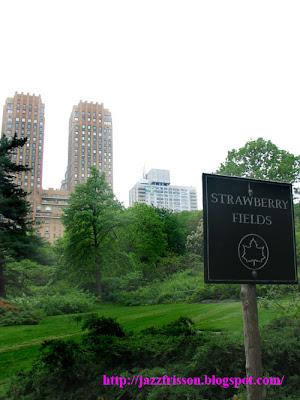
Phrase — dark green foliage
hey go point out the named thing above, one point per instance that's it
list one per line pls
(11, 314)
(102, 326)
(17, 239)
(75, 371)
(14, 224)
(26, 277)
(58, 354)
(14, 208)
(182, 326)
(57, 359)
(174, 228)
(68, 370)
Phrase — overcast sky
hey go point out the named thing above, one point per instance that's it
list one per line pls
(185, 81)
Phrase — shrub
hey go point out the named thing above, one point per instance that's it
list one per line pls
(102, 326)
(182, 326)
(10, 314)
(68, 370)
(76, 301)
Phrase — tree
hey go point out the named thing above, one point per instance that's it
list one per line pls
(149, 241)
(194, 243)
(14, 222)
(90, 219)
(258, 159)
(175, 229)
(261, 159)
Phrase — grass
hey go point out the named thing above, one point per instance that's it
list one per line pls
(19, 345)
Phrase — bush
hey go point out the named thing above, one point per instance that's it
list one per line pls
(68, 370)
(174, 288)
(182, 326)
(76, 301)
(215, 292)
(102, 326)
(11, 315)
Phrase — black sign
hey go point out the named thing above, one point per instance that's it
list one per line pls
(249, 234)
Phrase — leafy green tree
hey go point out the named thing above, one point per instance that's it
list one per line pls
(147, 238)
(138, 245)
(261, 159)
(194, 220)
(175, 229)
(14, 222)
(90, 220)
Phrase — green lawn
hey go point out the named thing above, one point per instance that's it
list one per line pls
(19, 345)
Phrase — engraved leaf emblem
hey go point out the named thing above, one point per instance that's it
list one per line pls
(253, 253)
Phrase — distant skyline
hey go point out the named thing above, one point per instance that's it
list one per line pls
(185, 82)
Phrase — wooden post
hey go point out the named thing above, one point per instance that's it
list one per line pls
(252, 341)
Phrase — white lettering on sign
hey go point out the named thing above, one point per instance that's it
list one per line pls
(251, 219)
(229, 199)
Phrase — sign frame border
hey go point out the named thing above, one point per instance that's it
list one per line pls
(207, 279)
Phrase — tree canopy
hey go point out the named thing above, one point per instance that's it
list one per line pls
(90, 219)
(261, 159)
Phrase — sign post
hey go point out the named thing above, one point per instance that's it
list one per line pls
(252, 341)
(249, 238)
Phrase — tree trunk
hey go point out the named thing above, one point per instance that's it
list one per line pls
(99, 285)
(97, 263)
(252, 341)
(2, 281)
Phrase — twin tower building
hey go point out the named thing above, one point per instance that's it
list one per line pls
(90, 145)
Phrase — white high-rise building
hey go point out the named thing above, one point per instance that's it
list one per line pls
(155, 190)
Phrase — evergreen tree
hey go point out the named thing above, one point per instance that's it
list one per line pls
(14, 208)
